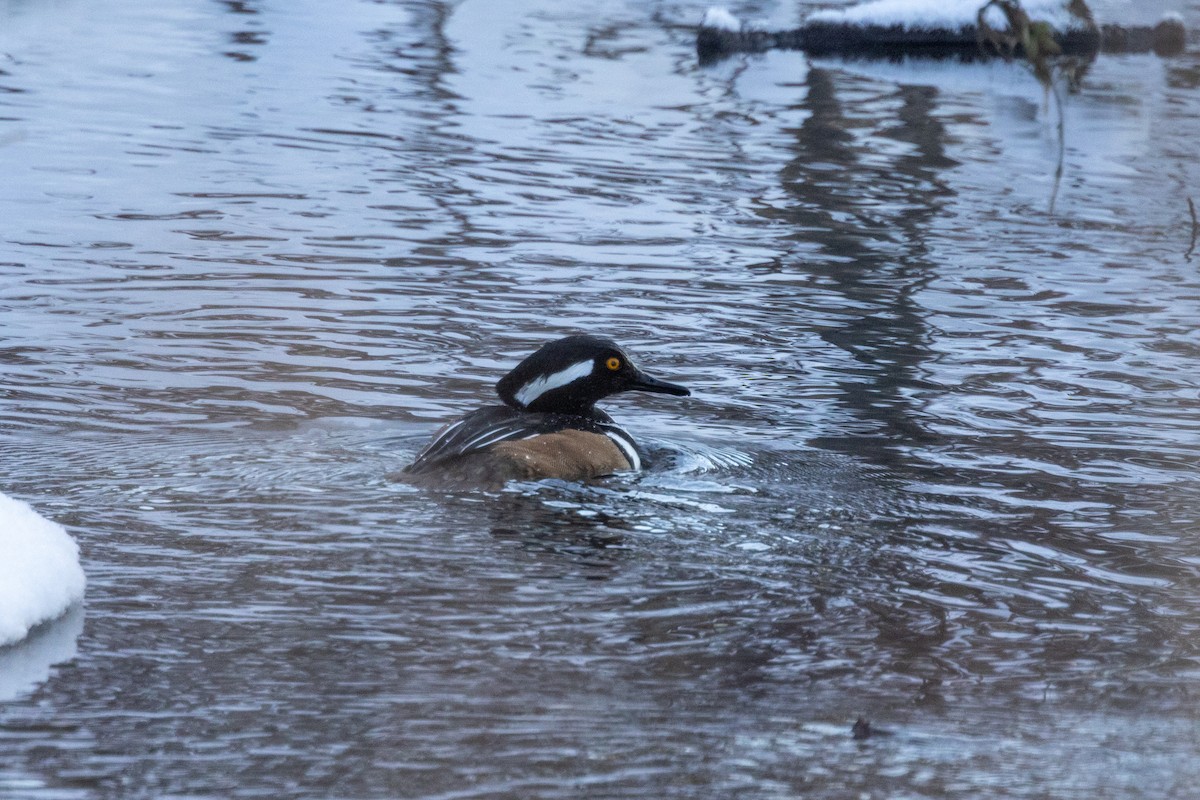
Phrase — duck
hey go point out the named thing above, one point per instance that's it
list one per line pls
(548, 425)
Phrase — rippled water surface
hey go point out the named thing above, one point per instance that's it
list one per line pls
(939, 469)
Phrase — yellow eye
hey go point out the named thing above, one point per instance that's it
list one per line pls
(613, 363)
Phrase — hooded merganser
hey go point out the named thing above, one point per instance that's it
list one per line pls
(549, 426)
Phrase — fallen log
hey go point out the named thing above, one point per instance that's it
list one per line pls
(879, 29)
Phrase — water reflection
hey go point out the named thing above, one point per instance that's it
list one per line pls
(846, 175)
(27, 664)
(251, 36)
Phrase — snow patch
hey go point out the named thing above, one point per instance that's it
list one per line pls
(720, 19)
(943, 14)
(40, 576)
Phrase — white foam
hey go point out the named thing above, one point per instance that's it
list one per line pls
(40, 576)
(720, 19)
(942, 14)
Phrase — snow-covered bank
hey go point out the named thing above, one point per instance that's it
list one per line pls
(40, 575)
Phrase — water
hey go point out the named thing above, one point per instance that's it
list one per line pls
(938, 470)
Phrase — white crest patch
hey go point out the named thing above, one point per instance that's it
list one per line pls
(537, 387)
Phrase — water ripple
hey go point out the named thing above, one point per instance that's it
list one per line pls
(938, 468)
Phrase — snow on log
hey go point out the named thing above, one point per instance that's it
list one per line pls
(937, 28)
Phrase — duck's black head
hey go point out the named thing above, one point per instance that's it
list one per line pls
(569, 375)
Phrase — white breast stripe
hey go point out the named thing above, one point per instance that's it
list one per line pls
(531, 391)
(627, 448)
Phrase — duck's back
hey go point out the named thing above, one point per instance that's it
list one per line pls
(497, 444)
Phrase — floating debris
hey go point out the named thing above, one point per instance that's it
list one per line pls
(862, 729)
(1195, 227)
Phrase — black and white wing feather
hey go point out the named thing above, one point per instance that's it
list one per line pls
(491, 425)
